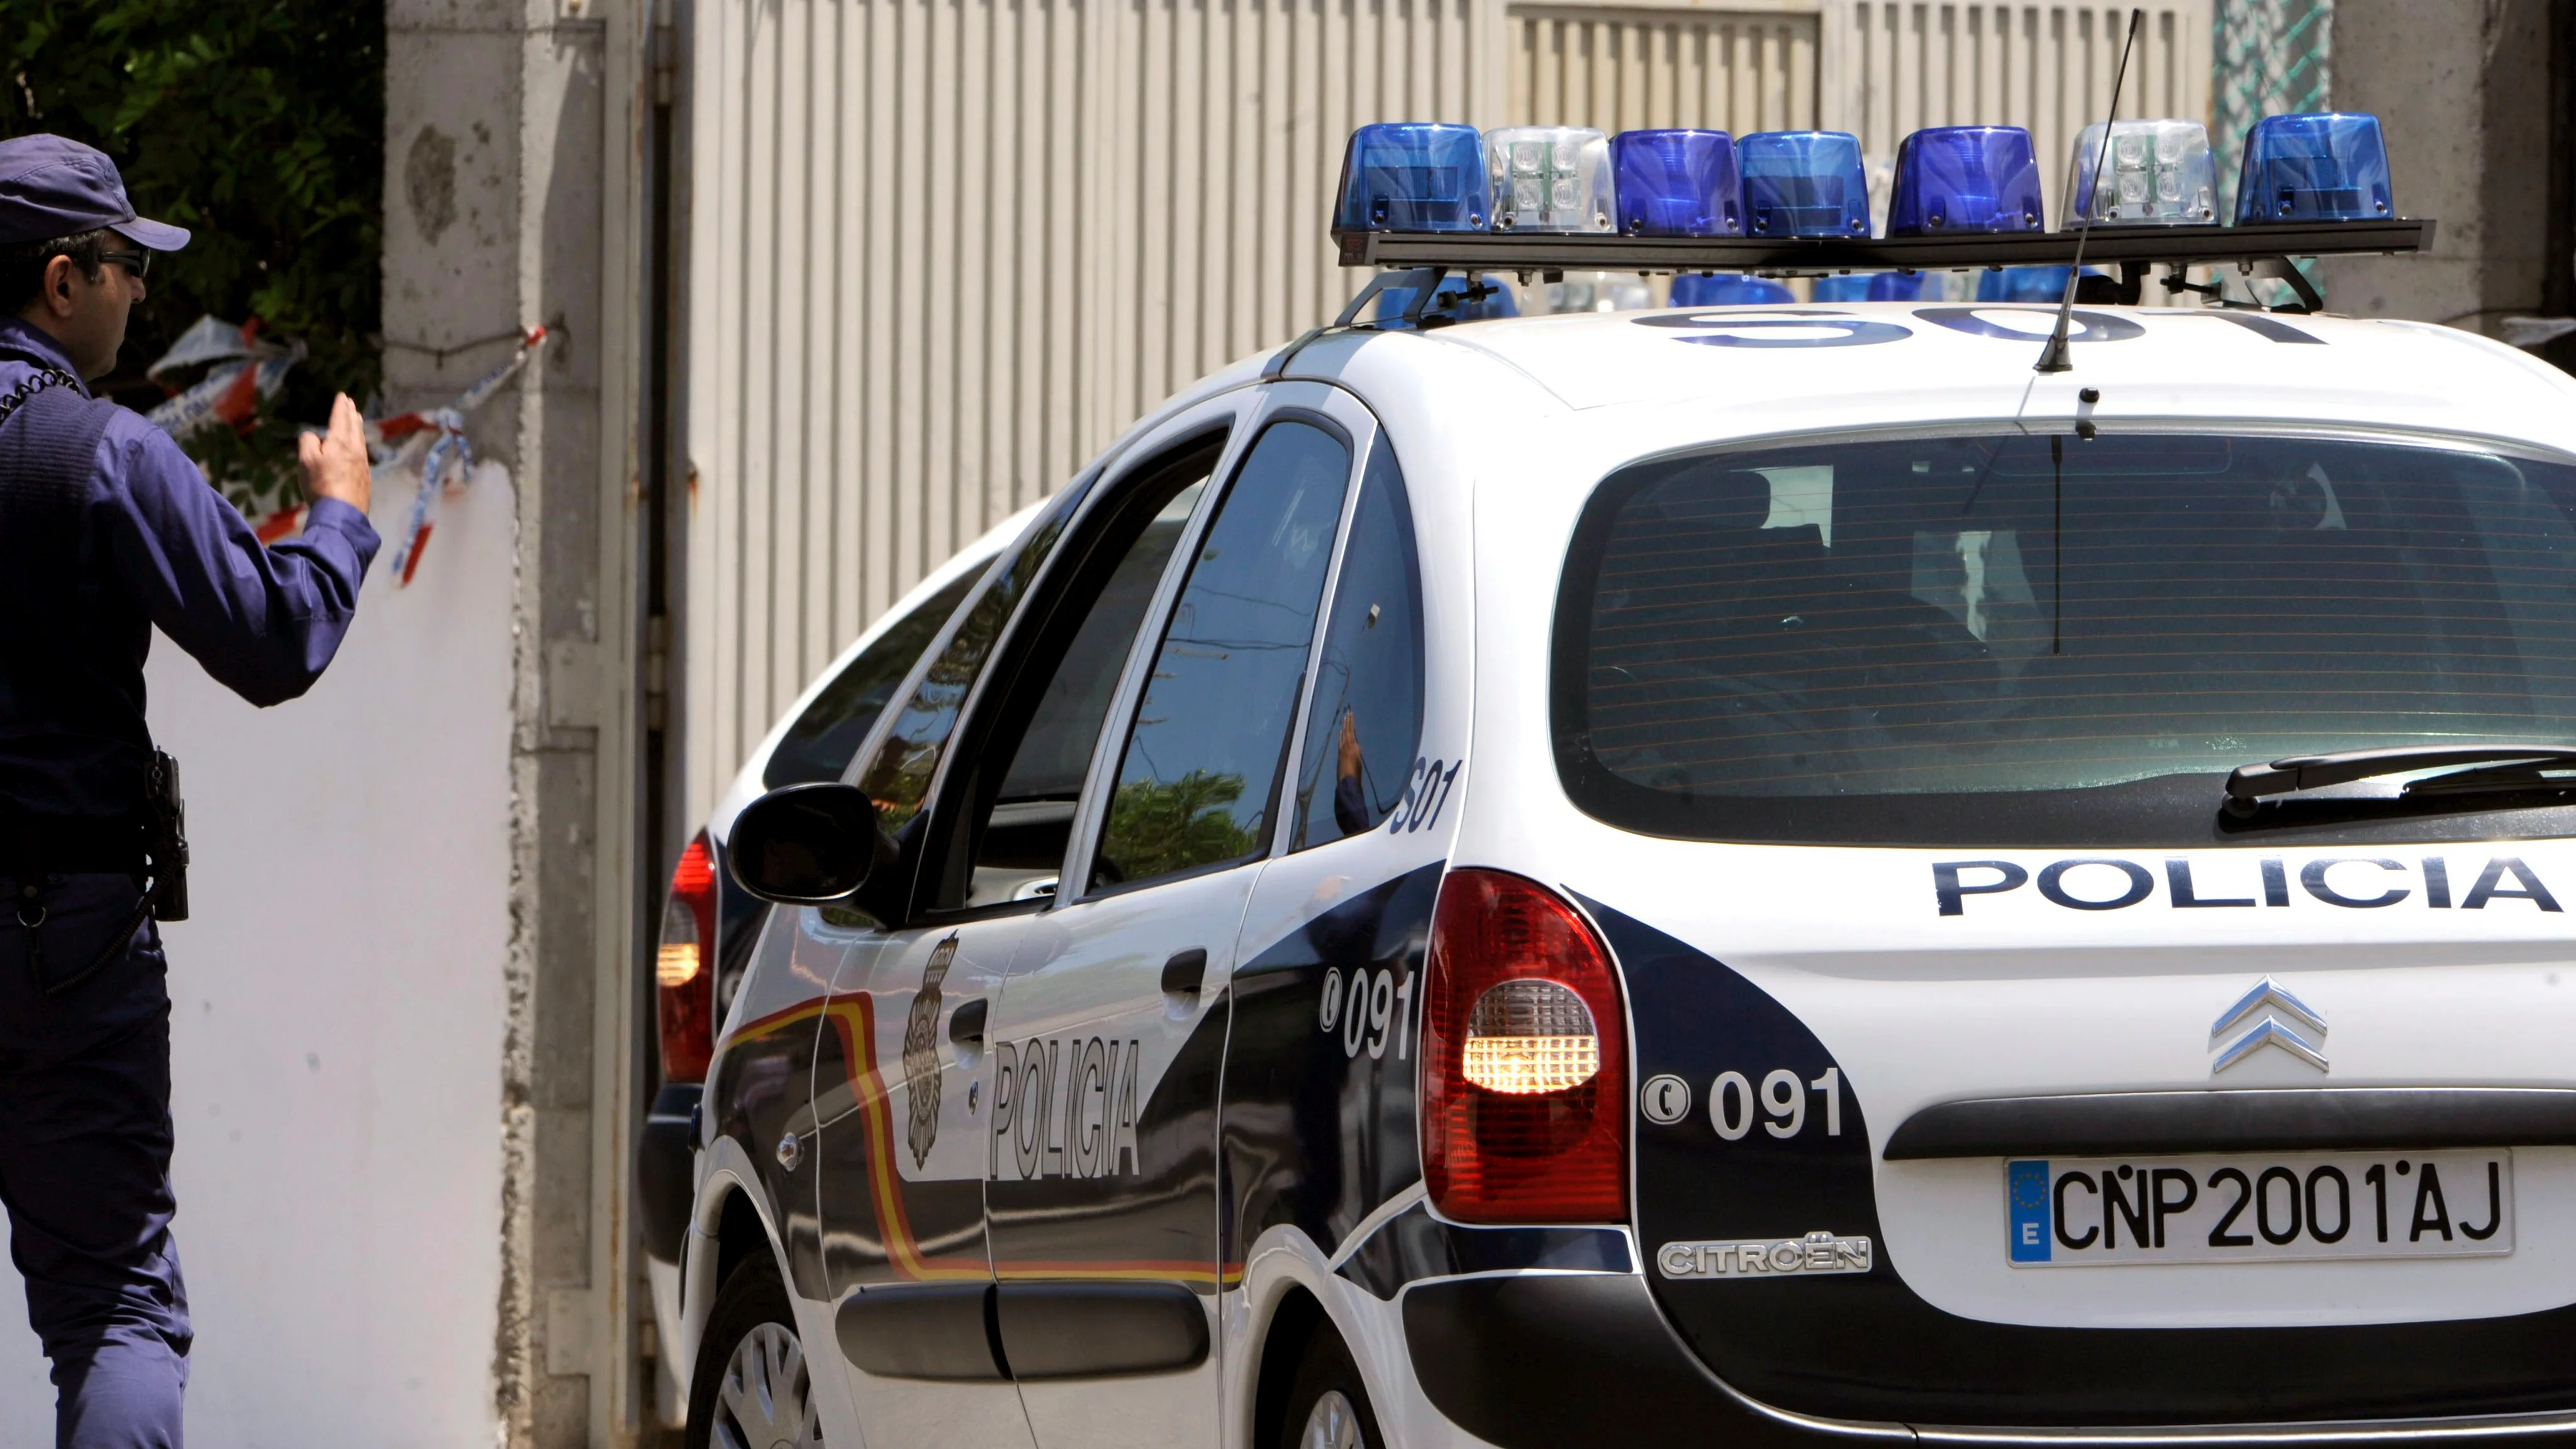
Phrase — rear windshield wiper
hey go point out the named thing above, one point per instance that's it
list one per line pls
(2511, 767)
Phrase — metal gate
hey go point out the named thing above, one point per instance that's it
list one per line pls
(938, 252)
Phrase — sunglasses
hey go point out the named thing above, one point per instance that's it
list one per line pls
(139, 263)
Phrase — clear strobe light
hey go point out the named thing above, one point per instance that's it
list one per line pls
(1412, 176)
(2320, 166)
(1677, 183)
(1531, 1035)
(2160, 175)
(1803, 183)
(1952, 179)
(1549, 178)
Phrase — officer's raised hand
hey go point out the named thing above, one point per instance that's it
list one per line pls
(335, 463)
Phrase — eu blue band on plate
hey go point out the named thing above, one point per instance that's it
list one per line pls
(2026, 1189)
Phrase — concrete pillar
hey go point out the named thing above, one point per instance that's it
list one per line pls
(510, 180)
(2461, 88)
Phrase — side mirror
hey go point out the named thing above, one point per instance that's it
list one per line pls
(805, 845)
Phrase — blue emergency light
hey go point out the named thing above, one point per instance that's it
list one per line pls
(1803, 183)
(2320, 166)
(1727, 289)
(1870, 287)
(1677, 183)
(1413, 176)
(1953, 179)
(2026, 284)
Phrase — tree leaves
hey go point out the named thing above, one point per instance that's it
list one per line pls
(259, 125)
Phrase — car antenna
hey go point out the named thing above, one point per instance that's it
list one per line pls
(2053, 356)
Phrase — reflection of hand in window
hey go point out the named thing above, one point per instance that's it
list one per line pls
(1350, 805)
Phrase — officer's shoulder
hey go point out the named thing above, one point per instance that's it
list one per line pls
(132, 450)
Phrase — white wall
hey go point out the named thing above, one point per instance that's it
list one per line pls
(337, 1022)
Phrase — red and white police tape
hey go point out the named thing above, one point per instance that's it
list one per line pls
(429, 440)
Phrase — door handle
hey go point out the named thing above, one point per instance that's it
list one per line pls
(966, 1026)
(1185, 972)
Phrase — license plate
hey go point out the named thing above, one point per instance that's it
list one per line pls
(2258, 1208)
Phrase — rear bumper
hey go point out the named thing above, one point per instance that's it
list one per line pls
(1569, 1361)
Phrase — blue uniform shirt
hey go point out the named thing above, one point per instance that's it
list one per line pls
(158, 543)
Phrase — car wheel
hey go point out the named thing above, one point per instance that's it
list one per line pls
(751, 1389)
(1329, 1408)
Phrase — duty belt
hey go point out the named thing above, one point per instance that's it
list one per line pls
(70, 845)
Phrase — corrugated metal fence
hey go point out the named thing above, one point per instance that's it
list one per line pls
(940, 251)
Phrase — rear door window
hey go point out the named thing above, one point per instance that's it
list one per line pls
(1365, 725)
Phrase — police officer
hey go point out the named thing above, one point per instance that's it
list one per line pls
(108, 531)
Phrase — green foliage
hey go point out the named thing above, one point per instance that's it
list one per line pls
(1157, 827)
(259, 125)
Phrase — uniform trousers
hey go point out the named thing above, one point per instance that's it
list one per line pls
(85, 1137)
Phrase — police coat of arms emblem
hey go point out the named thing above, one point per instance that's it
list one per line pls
(921, 1054)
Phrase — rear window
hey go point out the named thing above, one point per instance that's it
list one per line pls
(2049, 640)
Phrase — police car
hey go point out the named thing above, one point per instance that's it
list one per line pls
(1794, 874)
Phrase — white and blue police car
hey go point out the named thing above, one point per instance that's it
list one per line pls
(1803, 874)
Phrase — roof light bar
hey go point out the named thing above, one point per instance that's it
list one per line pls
(2160, 175)
(1803, 184)
(1554, 198)
(2320, 166)
(1549, 178)
(1677, 183)
(1965, 178)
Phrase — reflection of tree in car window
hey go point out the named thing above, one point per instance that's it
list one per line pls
(1199, 770)
(1166, 827)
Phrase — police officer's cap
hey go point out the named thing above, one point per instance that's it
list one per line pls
(52, 186)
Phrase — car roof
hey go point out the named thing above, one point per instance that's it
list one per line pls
(1663, 378)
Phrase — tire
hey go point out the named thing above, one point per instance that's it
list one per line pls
(751, 1388)
(1328, 1406)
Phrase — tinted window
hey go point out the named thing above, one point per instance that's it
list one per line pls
(1201, 763)
(1947, 639)
(898, 775)
(819, 745)
(1366, 721)
(1019, 844)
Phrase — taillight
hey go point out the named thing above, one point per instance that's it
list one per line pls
(1524, 1059)
(684, 967)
